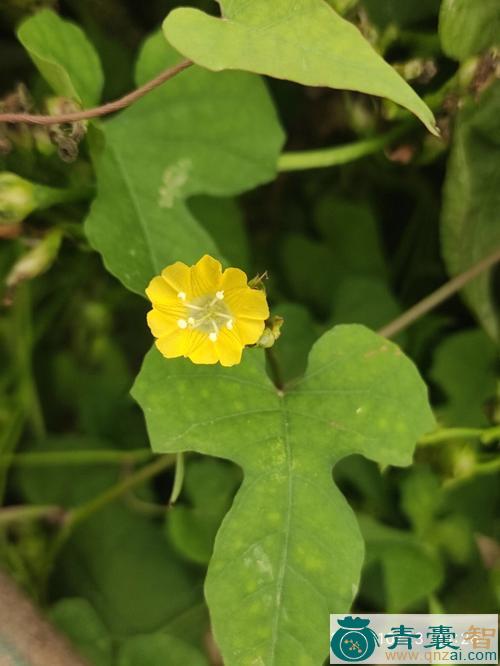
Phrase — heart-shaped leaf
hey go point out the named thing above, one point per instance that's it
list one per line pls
(304, 41)
(199, 133)
(290, 541)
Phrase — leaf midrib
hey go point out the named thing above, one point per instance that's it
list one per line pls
(286, 540)
(128, 187)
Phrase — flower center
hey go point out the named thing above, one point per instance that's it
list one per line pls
(207, 314)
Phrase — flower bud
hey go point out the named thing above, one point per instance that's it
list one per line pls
(20, 197)
(17, 198)
(37, 260)
(271, 332)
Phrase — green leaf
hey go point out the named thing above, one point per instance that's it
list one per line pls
(306, 41)
(470, 222)
(350, 229)
(464, 367)
(289, 551)
(364, 300)
(159, 588)
(223, 220)
(298, 335)
(64, 56)
(159, 650)
(467, 27)
(209, 487)
(310, 270)
(400, 12)
(199, 133)
(78, 620)
(123, 565)
(410, 571)
(65, 485)
(420, 497)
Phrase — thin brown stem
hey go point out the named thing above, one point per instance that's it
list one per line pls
(15, 514)
(439, 296)
(104, 109)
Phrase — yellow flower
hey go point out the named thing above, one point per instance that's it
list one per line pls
(205, 314)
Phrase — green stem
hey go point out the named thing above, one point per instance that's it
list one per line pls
(46, 197)
(484, 435)
(327, 157)
(178, 479)
(24, 342)
(479, 469)
(79, 514)
(490, 467)
(98, 457)
(8, 443)
(137, 478)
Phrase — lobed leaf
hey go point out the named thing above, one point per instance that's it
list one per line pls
(290, 541)
(305, 41)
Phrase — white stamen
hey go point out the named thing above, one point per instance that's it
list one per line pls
(182, 323)
(191, 321)
(182, 295)
(213, 337)
(220, 295)
(229, 325)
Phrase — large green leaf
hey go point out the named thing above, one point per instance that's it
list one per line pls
(63, 55)
(223, 220)
(199, 133)
(467, 27)
(304, 41)
(470, 221)
(289, 551)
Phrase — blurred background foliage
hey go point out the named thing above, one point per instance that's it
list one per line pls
(354, 243)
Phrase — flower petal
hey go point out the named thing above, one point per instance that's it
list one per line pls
(249, 330)
(160, 292)
(174, 344)
(205, 353)
(233, 278)
(162, 323)
(228, 347)
(178, 276)
(181, 342)
(206, 276)
(247, 303)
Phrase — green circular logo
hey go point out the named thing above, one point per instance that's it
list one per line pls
(354, 640)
